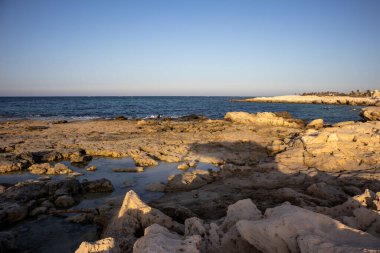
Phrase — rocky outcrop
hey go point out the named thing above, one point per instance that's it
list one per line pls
(133, 217)
(284, 229)
(263, 118)
(332, 100)
(290, 228)
(370, 113)
(350, 147)
(359, 212)
(46, 168)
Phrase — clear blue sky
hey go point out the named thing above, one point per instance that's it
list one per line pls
(188, 47)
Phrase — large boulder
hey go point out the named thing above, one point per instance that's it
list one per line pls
(263, 118)
(289, 228)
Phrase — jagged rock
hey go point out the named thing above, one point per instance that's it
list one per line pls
(106, 245)
(263, 118)
(158, 239)
(358, 212)
(99, 185)
(370, 113)
(316, 124)
(286, 225)
(133, 217)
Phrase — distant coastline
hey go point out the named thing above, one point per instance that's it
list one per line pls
(368, 98)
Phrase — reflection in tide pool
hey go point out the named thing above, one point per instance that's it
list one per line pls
(52, 234)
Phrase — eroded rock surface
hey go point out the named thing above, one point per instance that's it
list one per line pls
(264, 160)
(263, 118)
(370, 113)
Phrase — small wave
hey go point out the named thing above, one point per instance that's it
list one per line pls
(153, 116)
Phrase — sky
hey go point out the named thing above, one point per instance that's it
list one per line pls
(188, 47)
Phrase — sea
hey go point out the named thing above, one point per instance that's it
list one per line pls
(141, 107)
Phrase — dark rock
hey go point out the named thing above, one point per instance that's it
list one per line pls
(120, 117)
(100, 185)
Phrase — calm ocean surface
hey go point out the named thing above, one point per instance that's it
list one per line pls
(73, 108)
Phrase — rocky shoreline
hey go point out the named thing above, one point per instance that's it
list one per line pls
(313, 99)
(284, 185)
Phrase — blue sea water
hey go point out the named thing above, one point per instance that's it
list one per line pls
(73, 108)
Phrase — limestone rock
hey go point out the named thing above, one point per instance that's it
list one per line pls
(106, 245)
(241, 210)
(188, 181)
(263, 118)
(142, 159)
(80, 159)
(133, 216)
(187, 165)
(46, 168)
(286, 225)
(370, 113)
(158, 239)
(9, 166)
(316, 124)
